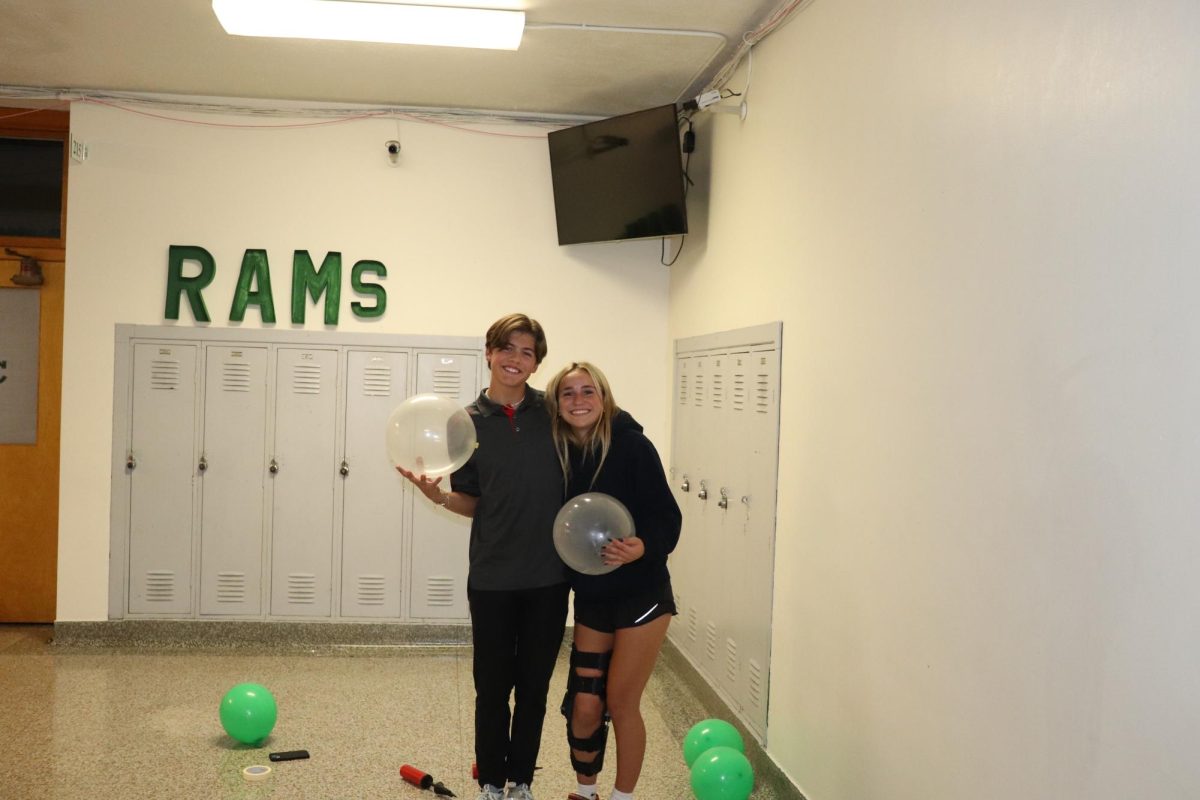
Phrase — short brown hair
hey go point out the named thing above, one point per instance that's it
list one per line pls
(503, 329)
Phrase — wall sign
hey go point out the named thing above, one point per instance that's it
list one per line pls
(254, 285)
(20, 316)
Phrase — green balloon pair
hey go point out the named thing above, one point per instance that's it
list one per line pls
(715, 751)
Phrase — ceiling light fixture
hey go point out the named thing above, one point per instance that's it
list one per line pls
(389, 23)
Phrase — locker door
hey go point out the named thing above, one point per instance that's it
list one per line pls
(709, 529)
(438, 577)
(162, 446)
(302, 483)
(373, 492)
(730, 470)
(759, 568)
(678, 472)
(233, 466)
(689, 556)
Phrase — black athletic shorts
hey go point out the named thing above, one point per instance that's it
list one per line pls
(611, 614)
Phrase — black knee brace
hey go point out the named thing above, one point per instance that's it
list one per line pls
(598, 740)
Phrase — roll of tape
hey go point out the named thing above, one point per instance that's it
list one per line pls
(258, 772)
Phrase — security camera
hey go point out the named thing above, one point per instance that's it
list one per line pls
(393, 151)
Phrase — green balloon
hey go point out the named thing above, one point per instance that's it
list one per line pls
(722, 773)
(248, 713)
(710, 733)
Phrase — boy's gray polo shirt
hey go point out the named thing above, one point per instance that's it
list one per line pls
(517, 478)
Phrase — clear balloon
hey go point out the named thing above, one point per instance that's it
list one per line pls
(722, 773)
(709, 733)
(585, 525)
(248, 713)
(430, 435)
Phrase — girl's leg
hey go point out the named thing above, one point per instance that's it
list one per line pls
(587, 713)
(634, 652)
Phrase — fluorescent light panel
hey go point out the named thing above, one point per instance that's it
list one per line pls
(389, 23)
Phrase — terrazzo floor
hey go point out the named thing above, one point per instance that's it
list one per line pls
(136, 722)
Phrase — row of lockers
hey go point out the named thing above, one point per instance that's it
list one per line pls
(251, 479)
(724, 465)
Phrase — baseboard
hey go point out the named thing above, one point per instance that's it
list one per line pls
(250, 633)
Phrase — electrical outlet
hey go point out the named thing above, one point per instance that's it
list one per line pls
(79, 150)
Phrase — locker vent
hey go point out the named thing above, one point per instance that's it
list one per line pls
(160, 586)
(692, 621)
(683, 389)
(718, 391)
(739, 392)
(377, 381)
(302, 588)
(731, 660)
(755, 683)
(447, 383)
(698, 396)
(231, 587)
(439, 591)
(164, 375)
(762, 394)
(710, 641)
(306, 378)
(372, 590)
(235, 376)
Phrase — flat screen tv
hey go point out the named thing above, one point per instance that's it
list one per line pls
(619, 178)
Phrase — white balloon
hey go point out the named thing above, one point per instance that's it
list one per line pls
(430, 435)
(585, 525)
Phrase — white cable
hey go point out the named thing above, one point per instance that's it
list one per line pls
(782, 15)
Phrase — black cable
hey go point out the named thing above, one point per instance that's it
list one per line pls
(687, 162)
(663, 255)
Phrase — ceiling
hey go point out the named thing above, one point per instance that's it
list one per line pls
(571, 61)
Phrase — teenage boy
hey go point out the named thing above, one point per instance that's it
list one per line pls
(517, 590)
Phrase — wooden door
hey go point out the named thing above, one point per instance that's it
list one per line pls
(29, 472)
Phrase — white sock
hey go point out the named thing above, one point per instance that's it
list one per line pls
(586, 790)
(617, 795)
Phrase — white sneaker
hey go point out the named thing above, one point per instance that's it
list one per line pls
(520, 792)
(489, 792)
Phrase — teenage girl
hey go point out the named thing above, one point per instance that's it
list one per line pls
(621, 617)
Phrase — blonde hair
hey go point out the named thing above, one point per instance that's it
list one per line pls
(599, 438)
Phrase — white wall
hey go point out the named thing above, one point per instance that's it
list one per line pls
(977, 221)
(464, 225)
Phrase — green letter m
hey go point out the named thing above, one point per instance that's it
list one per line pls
(314, 282)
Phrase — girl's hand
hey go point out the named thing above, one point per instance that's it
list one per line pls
(623, 551)
(427, 487)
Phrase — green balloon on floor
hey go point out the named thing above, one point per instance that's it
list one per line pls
(722, 773)
(710, 733)
(248, 713)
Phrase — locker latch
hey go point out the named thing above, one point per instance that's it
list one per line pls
(273, 467)
(345, 468)
(724, 501)
(130, 462)
(203, 465)
(685, 486)
(703, 493)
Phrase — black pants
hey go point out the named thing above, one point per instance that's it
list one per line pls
(517, 635)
